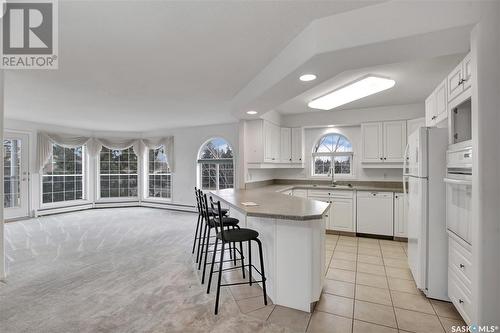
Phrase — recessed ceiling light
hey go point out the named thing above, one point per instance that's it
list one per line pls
(252, 112)
(366, 86)
(307, 77)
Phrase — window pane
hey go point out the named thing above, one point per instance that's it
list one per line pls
(333, 143)
(217, 172)
(216, 149)
(208, 176)
(158, 174)
(226, 177)
(322, 165)
(66, 164)
(12, 173)
(342, 164)
(118, 173)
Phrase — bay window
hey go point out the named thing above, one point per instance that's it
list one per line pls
(159, 176)
(118, 173)
(62, 176)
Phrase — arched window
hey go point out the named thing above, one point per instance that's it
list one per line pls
(216, 167)
(332, 147)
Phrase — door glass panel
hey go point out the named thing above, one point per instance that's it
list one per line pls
(12, 173)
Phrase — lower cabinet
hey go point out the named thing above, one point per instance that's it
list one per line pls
(400, 216)
(341, 215)
(375, 213)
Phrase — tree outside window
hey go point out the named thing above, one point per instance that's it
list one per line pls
(216, 165)
(332, 148)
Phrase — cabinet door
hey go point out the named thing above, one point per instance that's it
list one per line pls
(276, 143)
(297, 145)
(441, 102)
(374, 211)
(286, 145)
(413, 124)
(400, 221)
(394, 141)
(268, 142)
(455, 87)
(371, 136)
(467, 71)
(430, 110)
(341, 218)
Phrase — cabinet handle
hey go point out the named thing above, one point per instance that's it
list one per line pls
(381, 158)
(462, 266)
(433, 117)
(460, 301)
(385, 158)
(290, 160)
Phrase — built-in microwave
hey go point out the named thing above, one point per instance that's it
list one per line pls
(461, 121)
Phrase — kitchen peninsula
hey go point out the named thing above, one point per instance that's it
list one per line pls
(292, 231)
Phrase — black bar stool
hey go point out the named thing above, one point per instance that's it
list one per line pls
(199, 223)
(212, 222)
(231, 236)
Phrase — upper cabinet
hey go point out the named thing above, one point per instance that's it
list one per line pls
(291, 145)
(268, 145)
(459, 79)
(436, 106)
(383, 144)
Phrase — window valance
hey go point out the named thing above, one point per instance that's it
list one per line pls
(46, 140)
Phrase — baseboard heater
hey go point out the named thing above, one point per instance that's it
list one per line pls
(97, 205)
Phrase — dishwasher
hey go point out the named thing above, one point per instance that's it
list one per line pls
(375, 213)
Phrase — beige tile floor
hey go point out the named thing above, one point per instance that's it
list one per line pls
(368, 288)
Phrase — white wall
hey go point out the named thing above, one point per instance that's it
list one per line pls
(2, 246)
(486, 177)
(347, 122)
(353, 133)
(187, 142)
(354, 116)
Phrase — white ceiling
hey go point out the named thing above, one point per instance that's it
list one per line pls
(144, 65)
(414, 82)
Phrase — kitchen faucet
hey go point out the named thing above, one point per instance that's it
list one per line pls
(332, 174)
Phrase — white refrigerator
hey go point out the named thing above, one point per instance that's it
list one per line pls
(424, 170)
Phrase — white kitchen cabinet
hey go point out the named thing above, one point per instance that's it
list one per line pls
(459, 80)
(400, 216)
(286, 145)
(341, 215)
(372, 136)
(262, 141)
(297, 146)
(430, 110)
(374, 212)
(269, 146)
(436, 106)
(394, 141)
(383, 143)
(272, 142)
(291, 145)
(441, 102)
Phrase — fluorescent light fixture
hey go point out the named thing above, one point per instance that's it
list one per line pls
(331, 126)
(307, 77)
(366, 86)
(252, 112)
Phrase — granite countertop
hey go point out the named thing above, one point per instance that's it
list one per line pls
(272, 204)
(280, 188)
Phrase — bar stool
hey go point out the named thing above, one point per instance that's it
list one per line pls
(236, 235)
(212, 222)
(199, 223)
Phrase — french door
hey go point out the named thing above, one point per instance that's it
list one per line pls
(16, 175)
